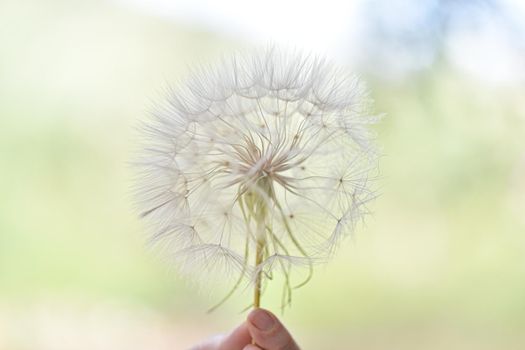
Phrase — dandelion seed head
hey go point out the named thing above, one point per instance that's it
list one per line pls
(274, 131)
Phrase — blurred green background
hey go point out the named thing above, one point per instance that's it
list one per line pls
(439, 265)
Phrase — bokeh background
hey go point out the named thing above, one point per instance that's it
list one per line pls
(439, 265)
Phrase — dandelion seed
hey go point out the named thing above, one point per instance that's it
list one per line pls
(258, 165)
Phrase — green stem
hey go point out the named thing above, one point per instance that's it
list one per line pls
(259, 255)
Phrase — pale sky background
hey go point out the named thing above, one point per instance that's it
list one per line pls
(478, 43)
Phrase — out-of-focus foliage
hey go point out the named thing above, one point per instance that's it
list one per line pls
(440, 265)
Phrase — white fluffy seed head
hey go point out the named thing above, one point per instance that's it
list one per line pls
(288, 131)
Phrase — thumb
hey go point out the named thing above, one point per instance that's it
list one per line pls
(268, 332)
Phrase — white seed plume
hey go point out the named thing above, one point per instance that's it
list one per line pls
(256, 165)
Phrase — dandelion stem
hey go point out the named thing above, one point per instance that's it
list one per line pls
(259, 255)
(259, 208)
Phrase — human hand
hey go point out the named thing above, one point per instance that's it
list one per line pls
(263, 327)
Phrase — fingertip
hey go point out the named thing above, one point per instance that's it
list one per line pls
(268, 332)
(262, 319)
